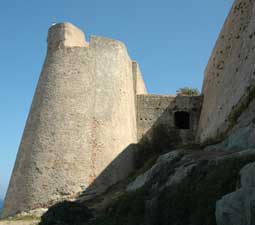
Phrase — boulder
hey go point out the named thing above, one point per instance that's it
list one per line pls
(238, 208)
(162, 160)
(66, 213)
(248, 175)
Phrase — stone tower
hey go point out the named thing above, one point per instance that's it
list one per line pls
(82, 117)
(89, 108)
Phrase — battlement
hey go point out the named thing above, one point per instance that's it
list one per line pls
(65, 35)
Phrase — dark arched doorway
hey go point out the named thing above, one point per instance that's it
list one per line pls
(182, 120)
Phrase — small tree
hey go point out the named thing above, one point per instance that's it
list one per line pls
(188, 91)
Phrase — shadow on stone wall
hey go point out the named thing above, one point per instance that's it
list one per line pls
(161, 137)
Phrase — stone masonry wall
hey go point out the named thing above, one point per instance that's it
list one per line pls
(230, 72)
(160, 109)
(82, 117)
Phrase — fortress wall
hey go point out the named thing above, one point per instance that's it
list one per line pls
(149, 109)
(81, 118)
(160, 109)
(230, 71)
(50, 164)
(139, 84)
(114, 112)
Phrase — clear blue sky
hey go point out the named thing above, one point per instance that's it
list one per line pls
(171, 40)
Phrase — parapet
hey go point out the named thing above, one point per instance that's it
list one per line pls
(63, 35)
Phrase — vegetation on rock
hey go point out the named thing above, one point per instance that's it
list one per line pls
(188, 91)
(234, 115)
(191, 201)
(242, 105)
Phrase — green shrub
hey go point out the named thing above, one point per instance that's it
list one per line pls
(188, 91)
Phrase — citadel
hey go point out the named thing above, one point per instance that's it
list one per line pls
(91, 108)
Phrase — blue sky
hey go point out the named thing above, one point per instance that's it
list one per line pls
(171, 40)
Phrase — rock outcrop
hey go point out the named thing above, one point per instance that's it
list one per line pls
(152, 173)
(66, 213)
(239, 207)
(182, 186)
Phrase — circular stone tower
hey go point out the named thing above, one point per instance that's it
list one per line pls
(81, 119)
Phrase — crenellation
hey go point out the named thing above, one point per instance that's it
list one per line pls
(65, 35)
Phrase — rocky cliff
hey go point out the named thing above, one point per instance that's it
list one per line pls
(173, 185)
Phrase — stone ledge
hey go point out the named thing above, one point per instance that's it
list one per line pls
(19, 222)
